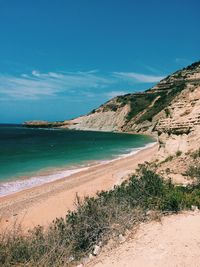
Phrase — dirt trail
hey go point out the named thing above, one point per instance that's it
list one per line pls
(173, 242)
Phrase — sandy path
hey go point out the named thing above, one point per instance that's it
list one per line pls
(175, 242)
(40, 205)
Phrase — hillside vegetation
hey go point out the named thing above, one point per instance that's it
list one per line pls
(172, 106)
(171, 111)
(67, 240)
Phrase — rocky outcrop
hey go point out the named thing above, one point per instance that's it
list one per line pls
(109, 117)
(180, 131)
(169, 110)
(43, 124)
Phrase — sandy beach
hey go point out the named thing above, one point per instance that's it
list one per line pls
(42, 204)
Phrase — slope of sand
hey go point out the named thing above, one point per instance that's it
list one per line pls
(173, 242)
(42, 204)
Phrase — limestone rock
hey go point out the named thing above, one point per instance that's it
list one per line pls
(122, 239)
(194, 208)
(97, 250)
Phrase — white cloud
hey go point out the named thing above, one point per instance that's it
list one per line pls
(35, 73)
(138, 77)
(37, 84)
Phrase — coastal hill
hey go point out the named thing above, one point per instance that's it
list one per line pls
(120, 226)
(170, 110)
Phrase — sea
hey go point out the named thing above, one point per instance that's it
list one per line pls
(30, 157)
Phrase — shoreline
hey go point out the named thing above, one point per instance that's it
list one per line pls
(19, 184)
(54, 199)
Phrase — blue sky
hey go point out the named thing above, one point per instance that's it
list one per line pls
(60, 59)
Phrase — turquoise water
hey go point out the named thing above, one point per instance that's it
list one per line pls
(28, 152)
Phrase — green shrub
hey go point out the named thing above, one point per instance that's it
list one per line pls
(196, 154)
(138, 103)
(178, 153)
(97, 219)
(162, 102)
(169, 158)
(193, 171)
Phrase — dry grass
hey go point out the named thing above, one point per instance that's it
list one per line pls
(111, 213)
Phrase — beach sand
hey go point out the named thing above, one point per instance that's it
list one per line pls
(42, 204)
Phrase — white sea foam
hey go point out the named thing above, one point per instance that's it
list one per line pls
(7, 188)
(129, 153)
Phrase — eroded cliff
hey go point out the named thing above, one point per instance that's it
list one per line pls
(170, 110)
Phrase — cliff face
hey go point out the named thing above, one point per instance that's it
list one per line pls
(169, 110)
(180, 130)
(109, 117)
